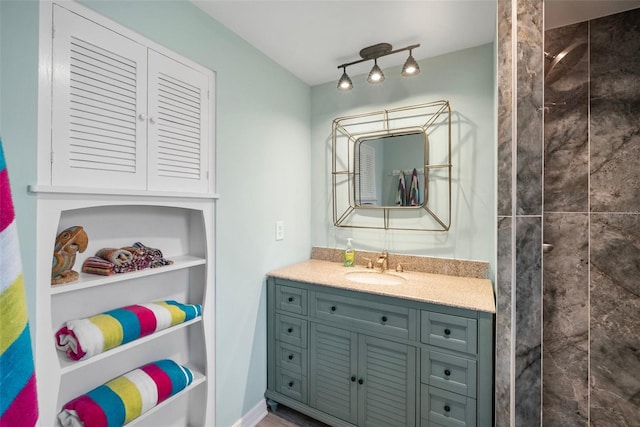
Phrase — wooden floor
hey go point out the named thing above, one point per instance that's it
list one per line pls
(286, 417)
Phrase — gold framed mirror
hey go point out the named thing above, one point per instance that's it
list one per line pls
(391, 169)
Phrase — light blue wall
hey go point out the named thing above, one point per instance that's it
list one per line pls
(263, 162)
(18, 119)
(464, 78)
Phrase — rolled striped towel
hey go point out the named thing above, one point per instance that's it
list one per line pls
(83, 338)
(18, 399)
(115, 256)
(125, 398)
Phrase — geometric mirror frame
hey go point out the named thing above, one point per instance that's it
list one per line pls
(391, 169)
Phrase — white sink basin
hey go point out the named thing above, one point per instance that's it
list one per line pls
(374, 278)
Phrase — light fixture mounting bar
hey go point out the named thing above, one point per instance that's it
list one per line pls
(413, 46)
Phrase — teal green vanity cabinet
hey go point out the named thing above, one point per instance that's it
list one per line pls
(353, 358)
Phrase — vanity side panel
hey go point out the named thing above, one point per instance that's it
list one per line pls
(271, 339)
(485, 395)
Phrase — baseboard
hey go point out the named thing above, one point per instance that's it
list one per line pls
(254, 416)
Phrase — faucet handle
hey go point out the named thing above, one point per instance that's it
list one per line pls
(369, 262)
(399, 268)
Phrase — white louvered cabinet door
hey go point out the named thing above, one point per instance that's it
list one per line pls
(178, 126)
(99, 127)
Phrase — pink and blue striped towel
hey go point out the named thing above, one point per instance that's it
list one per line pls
(83, 338)
(125, 398)
(18, 398)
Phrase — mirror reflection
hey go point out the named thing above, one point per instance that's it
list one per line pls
(390, 170)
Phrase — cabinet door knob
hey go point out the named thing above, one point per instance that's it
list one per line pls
(290, 330)
(447, 372)
(152, 119)
(447, 408)
(447, 331)
(333, 308)
(290, 299)
(383, 318)
(291, 357)
(360, 381)
(142, 117)
(353, 379)
(290, 383)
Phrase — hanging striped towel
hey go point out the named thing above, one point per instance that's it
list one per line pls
(400, 194)
(414, 192)
(84, 338)
(18, 399)
(125, 398)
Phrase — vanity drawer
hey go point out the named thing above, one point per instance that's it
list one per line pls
(291, 384)
(382, 318)
(291, 357)
(291, 330)
(443, 408)
(456, 374)
(448, 331)
(292, 300)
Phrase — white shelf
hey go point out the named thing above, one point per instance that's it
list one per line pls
(119, 192)
(67, 365)
(87, 280)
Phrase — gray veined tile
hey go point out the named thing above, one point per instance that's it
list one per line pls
(529, 108)
(566, 320)
(615, 113)
(503, 324)
(566, 133)
(615, 319)
(528, 288)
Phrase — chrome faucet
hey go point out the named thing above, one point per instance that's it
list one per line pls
(383, 261)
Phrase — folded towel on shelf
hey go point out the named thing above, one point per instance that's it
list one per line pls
(110, 261)
(125, 398)
(83, 338)
(115, 256)
(18, 397)
(153, 255)
(400, 195)
(414, 192)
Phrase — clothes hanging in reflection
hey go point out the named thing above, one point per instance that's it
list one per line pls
(414, 191)
(401, 198)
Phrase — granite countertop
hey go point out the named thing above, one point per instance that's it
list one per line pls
(462, 292)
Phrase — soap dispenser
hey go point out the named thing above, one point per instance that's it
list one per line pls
(349, 254)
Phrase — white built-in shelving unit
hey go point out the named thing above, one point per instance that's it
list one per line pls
(161, 192)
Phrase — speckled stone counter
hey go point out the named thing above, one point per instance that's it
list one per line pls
(463, 292)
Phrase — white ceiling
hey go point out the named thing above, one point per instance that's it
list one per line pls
(310, 38)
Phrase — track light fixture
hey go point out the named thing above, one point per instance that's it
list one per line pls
(410, 67)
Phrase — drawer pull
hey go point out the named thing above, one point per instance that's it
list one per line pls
(290, 330)
(360, 381)
(353, 379)
(333, 308)
(447, 408)
(447, 372)
(384, 319)
(290, 299)
(291, 357)
(447, 332)
(291, 385)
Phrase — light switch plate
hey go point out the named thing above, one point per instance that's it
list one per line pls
(279, 230)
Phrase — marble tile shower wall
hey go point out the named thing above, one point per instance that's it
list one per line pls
(591, 299)
(520, 158)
